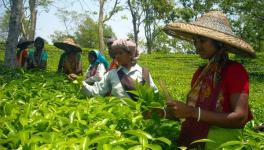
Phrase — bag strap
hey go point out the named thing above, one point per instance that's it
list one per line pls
(127, 84)
(126, 81)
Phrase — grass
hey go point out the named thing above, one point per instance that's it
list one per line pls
(177, 71)
(44, 90)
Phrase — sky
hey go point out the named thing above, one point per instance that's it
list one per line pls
(48, 22)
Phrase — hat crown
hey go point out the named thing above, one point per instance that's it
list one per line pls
(22, 40)
(215, 20)
(69, 41)
(23, 43)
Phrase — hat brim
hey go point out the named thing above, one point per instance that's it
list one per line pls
(187, 31)
(24, 44)
(67, 47)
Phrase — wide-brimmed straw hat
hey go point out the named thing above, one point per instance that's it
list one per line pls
(23, 43)
(214, 25)
(68, 45)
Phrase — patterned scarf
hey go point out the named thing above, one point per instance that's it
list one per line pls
(204, 94)
(207, 81)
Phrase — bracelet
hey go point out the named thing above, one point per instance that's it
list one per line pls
(182, 120)
(199, 114)
(164, 113)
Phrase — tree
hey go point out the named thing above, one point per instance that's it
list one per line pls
(104, 18)
(58, 36)
(246, 17)
(71, 20)
(18, 23)
(87, 35)
(28, 22)
(100, 25)
(13, 33)
(130, 35)
(136, 14)
(32, 19)
(154, 10)
(4, 23)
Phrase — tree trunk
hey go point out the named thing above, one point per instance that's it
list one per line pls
(149, 41)
(101, 26)
(135, 30)
(135, 20)
(148, 32)
(149, 22)
(33, 19)
(13, 33)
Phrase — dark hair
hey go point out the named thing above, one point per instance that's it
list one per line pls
(109, 45)
(221, 58)
(41, 40)
(110, 42)
(93, 54)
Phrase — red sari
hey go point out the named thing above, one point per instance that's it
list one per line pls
(210, 95)
(21, 58)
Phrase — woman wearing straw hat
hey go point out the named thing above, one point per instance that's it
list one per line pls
(37, 57)
(217, 105)
(121, 80)
(22, 53)
(70, 60)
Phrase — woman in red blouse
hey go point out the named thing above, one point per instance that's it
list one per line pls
(22, 53)
(217, 104)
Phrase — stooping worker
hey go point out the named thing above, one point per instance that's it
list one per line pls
(70, 60)
(121, 80)
(22, 53)
(37, 57)
(97, 68)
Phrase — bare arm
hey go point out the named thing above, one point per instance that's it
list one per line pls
(235, 119)
(79, 68)
(43, 65)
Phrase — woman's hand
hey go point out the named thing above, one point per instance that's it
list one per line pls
(162, 113)
(72, 76)
(155, 111)
(180, 110)
(176, 109)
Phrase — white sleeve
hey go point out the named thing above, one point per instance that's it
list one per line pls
(152, 84)
(99, 88)
(100, 71)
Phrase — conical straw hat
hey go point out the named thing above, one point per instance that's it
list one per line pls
(68, 45)
(214, 25)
